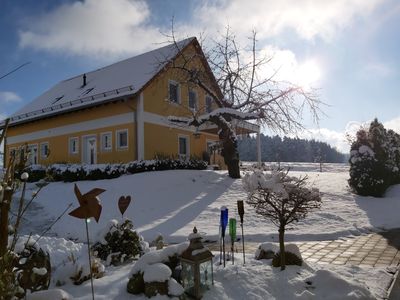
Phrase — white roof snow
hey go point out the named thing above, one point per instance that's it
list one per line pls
(120, 79)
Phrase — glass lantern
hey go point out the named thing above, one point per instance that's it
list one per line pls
(197, 267)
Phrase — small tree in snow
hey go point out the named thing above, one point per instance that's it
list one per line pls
(280, 198)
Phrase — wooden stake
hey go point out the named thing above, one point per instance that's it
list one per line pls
(90, 260)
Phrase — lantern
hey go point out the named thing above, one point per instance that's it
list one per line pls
(197, 267)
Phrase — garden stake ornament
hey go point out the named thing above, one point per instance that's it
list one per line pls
(232, 233)
(224, 223)
(241, 213)
(89, 206)
(123, 204)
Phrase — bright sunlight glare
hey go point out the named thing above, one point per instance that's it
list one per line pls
(308, 74)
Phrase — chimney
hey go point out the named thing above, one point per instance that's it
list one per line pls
(84, 80)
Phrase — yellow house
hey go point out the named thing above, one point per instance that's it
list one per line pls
(118, 113)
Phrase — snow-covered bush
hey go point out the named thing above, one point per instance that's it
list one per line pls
(119, 243)
(374, 160)
(281, 199)
(81, 272)
(32, 269)
(78, 172)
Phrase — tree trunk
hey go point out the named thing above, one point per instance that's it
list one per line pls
(282, 246)
(230, 154)
(4, 210)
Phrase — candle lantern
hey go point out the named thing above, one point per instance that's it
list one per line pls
(197, 267)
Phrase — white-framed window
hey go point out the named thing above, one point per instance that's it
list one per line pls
(106, 141)
(183, 147)
(192, 100)
(208, 104)
(33, 154)
(122, 139)
(44, 150)
(174, 92)
(73, 145)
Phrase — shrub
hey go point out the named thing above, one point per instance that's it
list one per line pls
(33, 269)
(121, 243)
(374, 160)
(75, 172)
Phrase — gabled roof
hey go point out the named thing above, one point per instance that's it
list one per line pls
(118, 80)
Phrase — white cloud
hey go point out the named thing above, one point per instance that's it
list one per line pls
(377, 69)
(9, 97)
(96, 28)
(308, 18)
(393, 124)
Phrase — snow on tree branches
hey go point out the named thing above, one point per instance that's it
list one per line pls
(280, 198)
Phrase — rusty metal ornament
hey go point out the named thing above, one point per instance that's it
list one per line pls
(123, 203)
(89, 204)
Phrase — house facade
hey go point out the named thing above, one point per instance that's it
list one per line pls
(118, 113)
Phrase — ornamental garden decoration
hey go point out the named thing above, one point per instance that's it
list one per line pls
(197, 267)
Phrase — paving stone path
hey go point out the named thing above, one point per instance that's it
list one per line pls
(370, 250)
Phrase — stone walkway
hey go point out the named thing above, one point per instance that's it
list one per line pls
(370, 250)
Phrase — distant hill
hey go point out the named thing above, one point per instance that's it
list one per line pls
(287, 149)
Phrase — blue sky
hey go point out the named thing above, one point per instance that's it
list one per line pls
(348, 49)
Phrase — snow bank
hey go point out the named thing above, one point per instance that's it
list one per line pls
(53, 294)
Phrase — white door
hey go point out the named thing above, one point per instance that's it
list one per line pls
(90, 150)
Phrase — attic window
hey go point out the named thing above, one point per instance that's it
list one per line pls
(87, 91)
(58, 99)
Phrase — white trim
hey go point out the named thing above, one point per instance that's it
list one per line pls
(73, 128)
(140, 128)
(117, 132)
(45, 156)
(170, 81)
(187, 146)
(102, 146)
(73, 138)
(121, 119)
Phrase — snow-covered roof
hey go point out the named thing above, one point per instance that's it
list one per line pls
(118, 80)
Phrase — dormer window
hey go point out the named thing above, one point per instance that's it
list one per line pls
(173, 92)
(192, 100)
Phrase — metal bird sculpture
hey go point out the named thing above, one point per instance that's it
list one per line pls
(89, 204)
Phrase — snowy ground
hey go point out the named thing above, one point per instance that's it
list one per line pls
(172, 202)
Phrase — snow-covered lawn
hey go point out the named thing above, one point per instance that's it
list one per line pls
(173, 202)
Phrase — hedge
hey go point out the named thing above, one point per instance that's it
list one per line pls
(78, 172)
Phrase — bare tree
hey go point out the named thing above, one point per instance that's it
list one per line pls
(281, 199)
(243, 92)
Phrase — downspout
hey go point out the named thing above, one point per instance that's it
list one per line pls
(140, 127)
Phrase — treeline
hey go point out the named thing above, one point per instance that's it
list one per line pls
(288, 149)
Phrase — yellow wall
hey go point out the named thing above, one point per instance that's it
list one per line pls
(157, 139)
(156, 95)
(163, 140)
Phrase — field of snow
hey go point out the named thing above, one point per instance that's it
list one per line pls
(173, 202)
